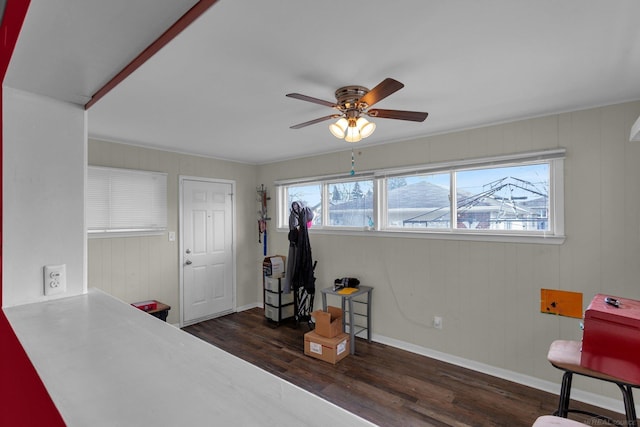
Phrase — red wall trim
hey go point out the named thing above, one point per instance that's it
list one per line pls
(25, 400)
(182, 23)
(14, 14)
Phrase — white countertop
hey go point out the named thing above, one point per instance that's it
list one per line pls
(105, 363)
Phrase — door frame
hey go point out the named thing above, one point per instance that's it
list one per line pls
(181, 179)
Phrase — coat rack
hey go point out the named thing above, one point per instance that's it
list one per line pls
(263, 217)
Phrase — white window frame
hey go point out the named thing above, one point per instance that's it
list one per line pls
(555, 234)
(155, 221)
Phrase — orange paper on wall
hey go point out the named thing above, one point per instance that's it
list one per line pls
(562, 303)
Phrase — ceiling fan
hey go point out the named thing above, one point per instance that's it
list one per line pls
(355, 102)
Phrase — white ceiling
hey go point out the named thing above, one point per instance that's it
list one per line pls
(218, 89)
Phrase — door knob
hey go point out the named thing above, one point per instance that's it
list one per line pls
(188, 251)
(188, 262)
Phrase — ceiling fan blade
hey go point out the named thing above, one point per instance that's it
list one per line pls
(414, 116)
(384, 89)
(311, 99)
(314, 121)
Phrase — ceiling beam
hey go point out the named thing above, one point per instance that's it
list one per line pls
(182, 23)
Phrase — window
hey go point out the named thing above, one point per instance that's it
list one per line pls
(420, 201)
(507, 198)
(309, 195)
(516, 195)
(351, 203)
(123, 201)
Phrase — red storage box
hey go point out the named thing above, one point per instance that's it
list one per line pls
(611, 339)
(146, 305)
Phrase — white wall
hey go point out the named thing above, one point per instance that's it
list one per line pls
(489, 293)
(43, 194)
(141, 268)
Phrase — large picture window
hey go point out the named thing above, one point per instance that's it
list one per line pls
(518, 195)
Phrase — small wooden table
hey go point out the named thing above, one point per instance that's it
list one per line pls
(565, 355)
(161, 311)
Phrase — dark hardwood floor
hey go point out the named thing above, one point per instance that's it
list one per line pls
(385, 385)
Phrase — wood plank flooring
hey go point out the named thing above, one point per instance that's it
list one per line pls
(385, 385)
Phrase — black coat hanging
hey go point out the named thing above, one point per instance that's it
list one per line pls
(300, 261)
(300, 266)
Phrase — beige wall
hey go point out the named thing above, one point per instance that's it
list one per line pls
(141, 268)
(489, 293)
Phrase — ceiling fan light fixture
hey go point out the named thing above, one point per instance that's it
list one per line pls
(339, 128)
(365, 127)
(353, 103)
(353, 134)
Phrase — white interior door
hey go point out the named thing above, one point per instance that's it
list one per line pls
(207, 249)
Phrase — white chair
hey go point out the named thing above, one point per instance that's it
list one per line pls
(553, 421)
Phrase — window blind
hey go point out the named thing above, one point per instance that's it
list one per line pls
(125, 200)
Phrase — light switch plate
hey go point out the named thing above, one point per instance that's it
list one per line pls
(55, 279)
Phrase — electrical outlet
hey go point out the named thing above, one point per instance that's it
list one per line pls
(437, 322)
(55, 279)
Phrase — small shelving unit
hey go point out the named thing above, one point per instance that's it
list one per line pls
(278, 305)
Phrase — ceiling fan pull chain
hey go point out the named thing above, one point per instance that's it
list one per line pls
(353, 163)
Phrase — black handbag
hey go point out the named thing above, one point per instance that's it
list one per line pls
(345, 282)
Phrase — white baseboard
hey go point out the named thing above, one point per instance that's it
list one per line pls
(249, 307)
(611, 404)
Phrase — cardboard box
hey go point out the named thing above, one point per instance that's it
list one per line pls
(274, 266)
(328, 323)
(611, 338)
(330, 350)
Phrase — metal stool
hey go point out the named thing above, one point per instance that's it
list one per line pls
(565, 355)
